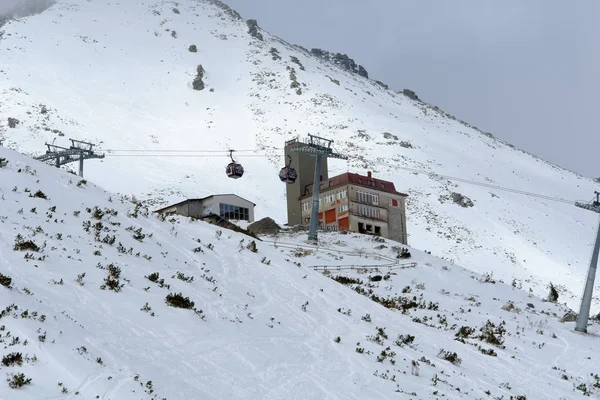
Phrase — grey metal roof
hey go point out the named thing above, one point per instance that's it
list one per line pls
(202, 199)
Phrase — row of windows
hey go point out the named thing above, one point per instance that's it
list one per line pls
(343, 208)
(234, 212)
(369, 211)
(328, 198)
(366, 197)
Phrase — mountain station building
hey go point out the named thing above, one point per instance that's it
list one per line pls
(228, 206)
(347, 202)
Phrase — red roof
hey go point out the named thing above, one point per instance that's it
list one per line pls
(356, 179)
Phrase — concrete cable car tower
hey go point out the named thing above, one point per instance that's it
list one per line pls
(321, 149)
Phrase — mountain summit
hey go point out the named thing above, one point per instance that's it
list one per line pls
(166, 89)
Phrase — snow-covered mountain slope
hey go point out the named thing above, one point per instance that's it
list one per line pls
(83, 316)
(120, 74)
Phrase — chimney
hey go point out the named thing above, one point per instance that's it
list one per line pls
(369, 174)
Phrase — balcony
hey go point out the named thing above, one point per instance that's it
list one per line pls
(366, 203)
(365, 217)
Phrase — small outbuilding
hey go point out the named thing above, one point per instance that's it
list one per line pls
(228, 206)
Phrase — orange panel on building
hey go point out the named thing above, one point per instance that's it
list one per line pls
(320, 216)
(344, 224)
(330, 216)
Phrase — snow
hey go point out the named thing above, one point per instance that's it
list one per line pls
(269, 319)
(113, 73)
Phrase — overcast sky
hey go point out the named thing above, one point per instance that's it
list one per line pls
(22, 7)
(526, 70)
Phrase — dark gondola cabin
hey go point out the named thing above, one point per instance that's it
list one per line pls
(234, 170)
(287, 173)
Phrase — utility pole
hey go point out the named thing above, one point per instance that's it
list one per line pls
(586, 301)
(78, 151)
(319, 147)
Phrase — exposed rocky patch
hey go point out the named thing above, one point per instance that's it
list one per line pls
(341, 60)
(296, 61)
(274, 54)
(411, 95)
(457, 198)
(253, 29)
(265, 226)
(13, 122)
(228, 10)
(295, 84)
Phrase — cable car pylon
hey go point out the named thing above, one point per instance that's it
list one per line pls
(319, 147)
(586, 300)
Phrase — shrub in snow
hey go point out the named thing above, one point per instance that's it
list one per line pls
(198, 83)
(24, 245)
(177, 300)
(450, 357)
(16, 381)
(12, 359)
(5, 280)
(3, 162)
(192, 48)
(112, 282)
(39, 194)
(552, 294)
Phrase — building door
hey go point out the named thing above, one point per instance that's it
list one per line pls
(344, 224)
(330, 216)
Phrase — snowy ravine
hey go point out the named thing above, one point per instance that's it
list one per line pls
(86, 274)
(120, 74)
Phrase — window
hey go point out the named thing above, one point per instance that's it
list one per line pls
(369, 212)
(306, 205)
(343, 208)
(366, 197)
(229, 211)
(329, 198)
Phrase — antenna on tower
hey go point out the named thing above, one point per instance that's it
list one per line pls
(586, 300)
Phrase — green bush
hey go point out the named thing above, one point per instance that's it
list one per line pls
(12, 359)
(5, 280)
(16, 381)
(193, 48)
(178, 301)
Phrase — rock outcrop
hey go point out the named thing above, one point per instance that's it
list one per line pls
(342, 60)
(265, 226)
(253, 29)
